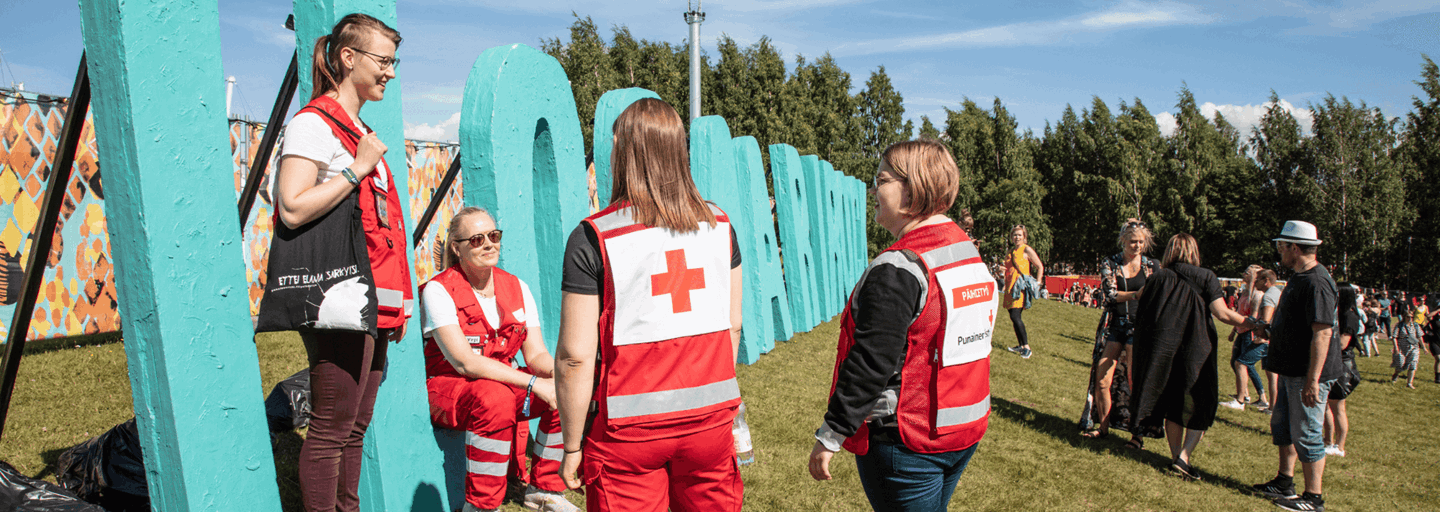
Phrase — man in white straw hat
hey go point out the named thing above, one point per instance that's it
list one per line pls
(1305, 353)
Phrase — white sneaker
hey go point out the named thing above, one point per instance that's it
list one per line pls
(546, 501)
(1234, 404)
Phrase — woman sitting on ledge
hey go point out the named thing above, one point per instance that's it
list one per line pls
(477, 317)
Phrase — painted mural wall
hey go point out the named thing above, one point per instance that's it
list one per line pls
(78, 294)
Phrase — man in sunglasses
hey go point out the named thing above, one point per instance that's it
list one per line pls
(1305, 353)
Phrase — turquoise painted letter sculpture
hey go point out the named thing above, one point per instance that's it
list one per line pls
(160, 120)
(791, 212)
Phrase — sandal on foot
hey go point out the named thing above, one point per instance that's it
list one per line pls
(1135, 443)
(1095, 434)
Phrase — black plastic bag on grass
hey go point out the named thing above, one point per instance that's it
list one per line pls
(288, 406)
(107, 470)
(24, 494)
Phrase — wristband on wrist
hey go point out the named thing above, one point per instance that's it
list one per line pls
(577, 450)
(525, 410)
(350, 176)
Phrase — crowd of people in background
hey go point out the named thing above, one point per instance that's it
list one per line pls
(1154, 366)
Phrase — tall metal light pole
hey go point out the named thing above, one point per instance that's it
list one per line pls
(695, 17)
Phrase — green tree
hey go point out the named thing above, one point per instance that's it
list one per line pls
(881, 112)
(1420, 154)
(586, 61)
(1359, 191)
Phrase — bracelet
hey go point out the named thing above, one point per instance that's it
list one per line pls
(525, 410)
(350, 176)
(577, 450)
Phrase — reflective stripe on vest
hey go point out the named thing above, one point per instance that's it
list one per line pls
(963, 414)
(673, 400)
(949, 254)
(390, 298)
(549, 446)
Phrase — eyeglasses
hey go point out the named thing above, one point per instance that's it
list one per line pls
(478, 240)
(383, 61)
(1135, 224)
(876, 182)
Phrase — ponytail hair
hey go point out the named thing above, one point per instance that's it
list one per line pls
(351, 31)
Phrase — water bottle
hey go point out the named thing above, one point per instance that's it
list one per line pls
(744, 451)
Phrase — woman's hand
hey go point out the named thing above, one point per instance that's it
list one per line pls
(544, 389)
(368, 154)
(820, 462)
(398, 333)
(570, 469)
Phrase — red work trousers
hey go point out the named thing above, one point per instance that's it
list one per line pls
(695, 472)
(488, 412)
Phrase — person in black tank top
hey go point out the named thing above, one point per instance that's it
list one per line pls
(1121, 278)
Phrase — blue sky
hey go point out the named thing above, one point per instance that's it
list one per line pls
(1037, 56)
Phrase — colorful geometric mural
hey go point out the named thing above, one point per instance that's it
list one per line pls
(78, 293)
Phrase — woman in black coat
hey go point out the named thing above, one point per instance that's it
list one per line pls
(1175, 379)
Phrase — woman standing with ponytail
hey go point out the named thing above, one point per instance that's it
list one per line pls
(332, 162)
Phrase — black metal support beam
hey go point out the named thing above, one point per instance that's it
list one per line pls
(60, 169)
(267, 142)
(436, 199)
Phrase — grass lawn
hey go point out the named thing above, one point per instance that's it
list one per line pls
(1032, 456)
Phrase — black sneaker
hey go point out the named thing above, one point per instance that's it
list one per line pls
(1303, 503)
(1275, 490)
(1025, 352)
(1015, 349)
(1184, 470)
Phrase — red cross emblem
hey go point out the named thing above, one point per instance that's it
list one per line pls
(677, 281)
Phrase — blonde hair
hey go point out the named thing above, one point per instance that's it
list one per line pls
(928, 172)
(353, 30)
(1132, 226)
(1022, 230)
(1182, 248)
(650, 166)
(450, 259)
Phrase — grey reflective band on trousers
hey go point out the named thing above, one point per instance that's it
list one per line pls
(486, 444)
(549, 453)
(952, 253)
(961, 415)
(390, 298)
(486, 468)
(673, 400)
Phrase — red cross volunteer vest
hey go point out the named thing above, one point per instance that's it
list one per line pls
(381, 215)
(499, 344)
(944, 400)
(666, 365)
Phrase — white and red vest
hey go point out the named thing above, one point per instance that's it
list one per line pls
(384, 234)
(500, 344)
(666, 364)
(944, 399)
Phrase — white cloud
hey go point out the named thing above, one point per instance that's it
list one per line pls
(1034, 33)
(444, 131)
(1242, 117)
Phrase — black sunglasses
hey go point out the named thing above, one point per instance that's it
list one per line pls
(477, 240)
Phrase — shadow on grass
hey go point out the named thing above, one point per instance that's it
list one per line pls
(50, 457)
(1081, 339)
(1082, 364)
(1247, 428)
(286, 446)
(33, 347)
(1065, 430)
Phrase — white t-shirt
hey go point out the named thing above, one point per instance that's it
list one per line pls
(439, 309)
(308, 136)
(1272, 297)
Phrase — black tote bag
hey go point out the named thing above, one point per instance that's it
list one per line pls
(318, 277)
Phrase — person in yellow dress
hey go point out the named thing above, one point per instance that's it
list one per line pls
(1019, 264)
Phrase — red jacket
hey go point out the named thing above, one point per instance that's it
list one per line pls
(667, 367)
(500, 344)
(944, 398)
(384, 241)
